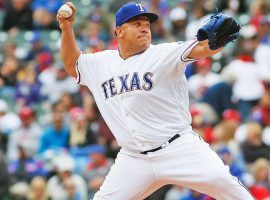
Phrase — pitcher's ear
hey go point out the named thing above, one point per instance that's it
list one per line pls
(118, 32)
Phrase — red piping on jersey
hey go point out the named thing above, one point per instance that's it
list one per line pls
(79, 74)
(186, 60)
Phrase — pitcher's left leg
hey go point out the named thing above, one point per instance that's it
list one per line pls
(190, 162)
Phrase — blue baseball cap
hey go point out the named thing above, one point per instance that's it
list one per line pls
(131, 10)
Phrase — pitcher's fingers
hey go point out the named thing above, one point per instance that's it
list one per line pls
(59, 17)
(71, 5)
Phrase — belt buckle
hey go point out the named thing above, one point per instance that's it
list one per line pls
(165, 144)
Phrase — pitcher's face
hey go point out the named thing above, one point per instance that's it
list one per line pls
(136, 33)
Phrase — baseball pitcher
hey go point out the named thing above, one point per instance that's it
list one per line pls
(142, 93)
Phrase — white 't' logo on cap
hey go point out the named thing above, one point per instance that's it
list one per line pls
(141, 7)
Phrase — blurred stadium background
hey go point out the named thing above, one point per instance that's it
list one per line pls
(53, 142)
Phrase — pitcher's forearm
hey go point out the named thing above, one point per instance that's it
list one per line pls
(69, 51)
(201, 50)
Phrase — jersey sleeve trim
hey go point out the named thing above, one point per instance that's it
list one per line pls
(78, 73)
(78, 78)
(187, 51)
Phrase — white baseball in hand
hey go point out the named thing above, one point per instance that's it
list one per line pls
(65, 11)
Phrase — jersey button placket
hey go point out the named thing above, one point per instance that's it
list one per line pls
(123, 96)
(125, 110)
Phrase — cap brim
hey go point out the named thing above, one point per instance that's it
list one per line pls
(152, 17)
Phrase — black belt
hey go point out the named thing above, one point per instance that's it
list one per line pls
(163, 145)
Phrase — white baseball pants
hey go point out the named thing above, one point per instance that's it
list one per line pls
(187, 161)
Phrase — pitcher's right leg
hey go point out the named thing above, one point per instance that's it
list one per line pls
(128, 179)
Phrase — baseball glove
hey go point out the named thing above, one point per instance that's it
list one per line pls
(219, 30)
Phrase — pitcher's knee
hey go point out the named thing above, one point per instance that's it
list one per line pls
(231, 187)
(221, 179)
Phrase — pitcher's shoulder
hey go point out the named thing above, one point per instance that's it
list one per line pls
(167, 44)
(105, 53)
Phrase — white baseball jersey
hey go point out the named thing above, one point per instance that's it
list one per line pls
(143, 99)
